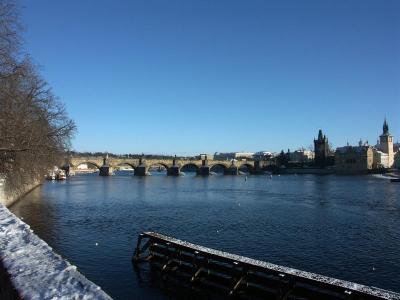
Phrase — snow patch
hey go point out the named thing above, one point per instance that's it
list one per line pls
(35, 271)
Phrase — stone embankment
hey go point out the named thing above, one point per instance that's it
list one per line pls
(8, 198)
(29, 269)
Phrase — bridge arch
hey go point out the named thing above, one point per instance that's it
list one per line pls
(157, 164)
(188, 166)
(215, 167)
(125, 164)
(88, 163)
(245, 167)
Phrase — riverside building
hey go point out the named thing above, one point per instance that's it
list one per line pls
(354, 159)
(365, 158)
(386, 144)
(302, 156)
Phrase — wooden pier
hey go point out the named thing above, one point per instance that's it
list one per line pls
(218, 274)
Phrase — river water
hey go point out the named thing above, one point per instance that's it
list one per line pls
(345, 227)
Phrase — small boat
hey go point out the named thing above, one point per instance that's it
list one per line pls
(395, 180)
(51, 176)
(61, 175)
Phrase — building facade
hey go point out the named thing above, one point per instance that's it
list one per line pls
(233, 155)
(244, 155)
(397, 160)
(381, 160)
(263, 155)
(302, 156)
(354, 159)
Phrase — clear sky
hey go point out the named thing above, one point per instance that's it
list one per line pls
(188, 77)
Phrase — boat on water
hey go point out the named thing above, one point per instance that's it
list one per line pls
(51, 176)
(61, 175)
(395, 180)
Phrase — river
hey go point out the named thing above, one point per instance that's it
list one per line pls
(342, 226)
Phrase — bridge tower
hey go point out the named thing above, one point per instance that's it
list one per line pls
(140, 170)
(174, 169)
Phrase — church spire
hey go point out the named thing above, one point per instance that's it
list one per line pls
(320, 135)
(385, 127)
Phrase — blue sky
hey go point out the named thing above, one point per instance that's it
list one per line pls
(190, 77)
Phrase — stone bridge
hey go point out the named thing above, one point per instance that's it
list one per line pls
(173, 166)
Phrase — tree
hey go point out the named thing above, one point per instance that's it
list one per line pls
(35, 129)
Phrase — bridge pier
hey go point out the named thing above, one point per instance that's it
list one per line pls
(140, 170)
(232, 170)
(174, 170)
(257, 168)
(204, 170)
(105, 169)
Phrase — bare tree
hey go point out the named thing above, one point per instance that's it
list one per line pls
(35, 129)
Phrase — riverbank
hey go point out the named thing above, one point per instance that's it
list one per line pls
(28, 266)
(307, 171)
(29, 269)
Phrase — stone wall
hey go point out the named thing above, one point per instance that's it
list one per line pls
(8, 197)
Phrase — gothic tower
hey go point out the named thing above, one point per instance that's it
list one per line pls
(386, 143)
(321, 149)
